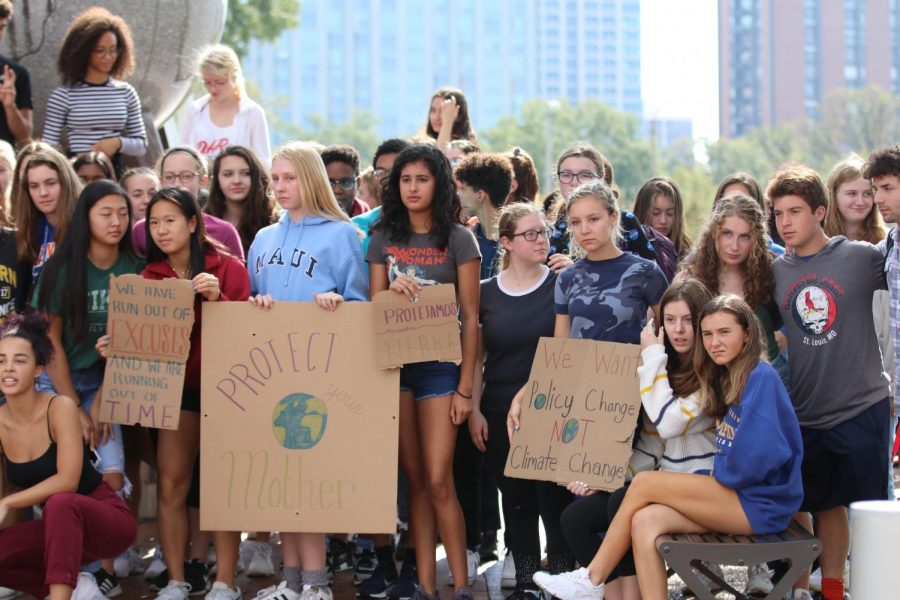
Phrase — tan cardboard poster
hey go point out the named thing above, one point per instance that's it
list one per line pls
(579, 413)
(412, 332)
(149, 326)
(298, 425)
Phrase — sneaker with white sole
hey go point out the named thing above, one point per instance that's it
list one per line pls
(277, 592)
(259, 561)
(801, 595)
(315, 592)
(157, 564)
(508, 575)
(364, 564)
(9, 594)
(108, 584)
(221, 591)
(759, 580)
(376, 586)
(128, 563)
(174, 590)
(473, 559)
(574, 585)
(86, 588)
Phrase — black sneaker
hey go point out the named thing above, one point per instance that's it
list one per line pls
(160, 581)
(365, 563)
(196, 574)
(341, 559)
(488, 547)
(406, 584)
(108, 584)
(523, 592)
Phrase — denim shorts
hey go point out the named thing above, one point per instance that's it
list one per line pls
(87, 382)
(431, 379)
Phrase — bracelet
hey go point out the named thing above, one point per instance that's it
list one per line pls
(469, 397)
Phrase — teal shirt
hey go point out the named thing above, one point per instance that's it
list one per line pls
(364, 222)
(81, 354)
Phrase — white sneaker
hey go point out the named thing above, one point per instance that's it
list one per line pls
(802, 595)
(175, 590)
(574, 585)
(221, 591)
(157, 564)
(8, 594)
(759, 580)
(86, 588)
(815, 581)
(277, 592)
(259, 561)
(314, 592)
(127, 563)
(472, 560)
(508, 578)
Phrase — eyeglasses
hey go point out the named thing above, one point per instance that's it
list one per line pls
(569, 176)
(382, 173)
(346, 183)
(106, 51)
(533, 234)
(185, 178)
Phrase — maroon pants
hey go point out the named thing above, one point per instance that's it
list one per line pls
(75, 530)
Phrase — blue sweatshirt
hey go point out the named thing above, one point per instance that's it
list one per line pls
(760, 452)
(294, 261)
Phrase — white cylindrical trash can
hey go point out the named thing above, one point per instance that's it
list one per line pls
(874, 548)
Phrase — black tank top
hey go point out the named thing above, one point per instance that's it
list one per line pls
(27, 474)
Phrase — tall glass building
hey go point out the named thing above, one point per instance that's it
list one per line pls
(387, 57)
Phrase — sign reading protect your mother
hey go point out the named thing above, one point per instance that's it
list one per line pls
(412, 332)
(579, 413)
(292, 399)
(149, 326)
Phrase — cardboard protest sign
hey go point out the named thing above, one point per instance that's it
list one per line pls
(149, 327)
(579, 413)
(407, 332)
(298, 425)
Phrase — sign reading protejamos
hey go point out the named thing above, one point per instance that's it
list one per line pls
(579, 413)
(292, 398)
(149, 327)
(412, 332)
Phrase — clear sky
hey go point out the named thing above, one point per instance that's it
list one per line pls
(679, 62)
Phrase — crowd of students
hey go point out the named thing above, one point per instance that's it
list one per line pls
(768, 346)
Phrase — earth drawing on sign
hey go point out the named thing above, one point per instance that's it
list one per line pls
(299, 421)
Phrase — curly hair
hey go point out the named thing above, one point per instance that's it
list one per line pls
(703, 263)
(884, 161)
(847, 171)
(258, 209)
(82, 36)
(341, 153)
(492, 173)
(33, 328)
(445, 206)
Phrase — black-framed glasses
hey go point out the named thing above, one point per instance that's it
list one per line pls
(533, 234)
(569, 176)
(346, 183)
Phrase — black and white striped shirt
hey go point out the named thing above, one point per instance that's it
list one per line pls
(87, 113)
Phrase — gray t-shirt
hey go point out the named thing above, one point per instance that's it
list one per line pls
(826, 305)
(420, 258)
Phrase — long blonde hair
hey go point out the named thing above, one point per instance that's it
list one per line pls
(312, 179)
(722, 386)
(850, 169)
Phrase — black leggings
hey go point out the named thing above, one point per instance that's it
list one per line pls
(584, 523)
(524, 502)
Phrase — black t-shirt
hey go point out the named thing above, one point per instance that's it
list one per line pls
(23, 96)
(15, 276)
(511, 325)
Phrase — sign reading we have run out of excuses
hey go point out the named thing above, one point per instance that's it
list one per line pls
(579, 412)
(291, 397)
(149, 326)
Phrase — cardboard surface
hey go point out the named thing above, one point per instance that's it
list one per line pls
(407, 332)
(149, 325)
(298, 425)
(582, 404)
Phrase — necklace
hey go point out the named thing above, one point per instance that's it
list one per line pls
(184, 273)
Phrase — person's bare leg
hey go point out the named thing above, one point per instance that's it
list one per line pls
(60, 591)
(227, 544)
(437, 454)
(805, 519)
(630, 588)
(833, 529)
(700, 498)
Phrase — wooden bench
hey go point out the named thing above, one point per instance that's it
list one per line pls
(686, 554)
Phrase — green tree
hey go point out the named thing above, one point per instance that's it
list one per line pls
(258, 19)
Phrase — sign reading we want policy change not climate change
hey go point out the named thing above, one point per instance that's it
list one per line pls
(579, 414)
